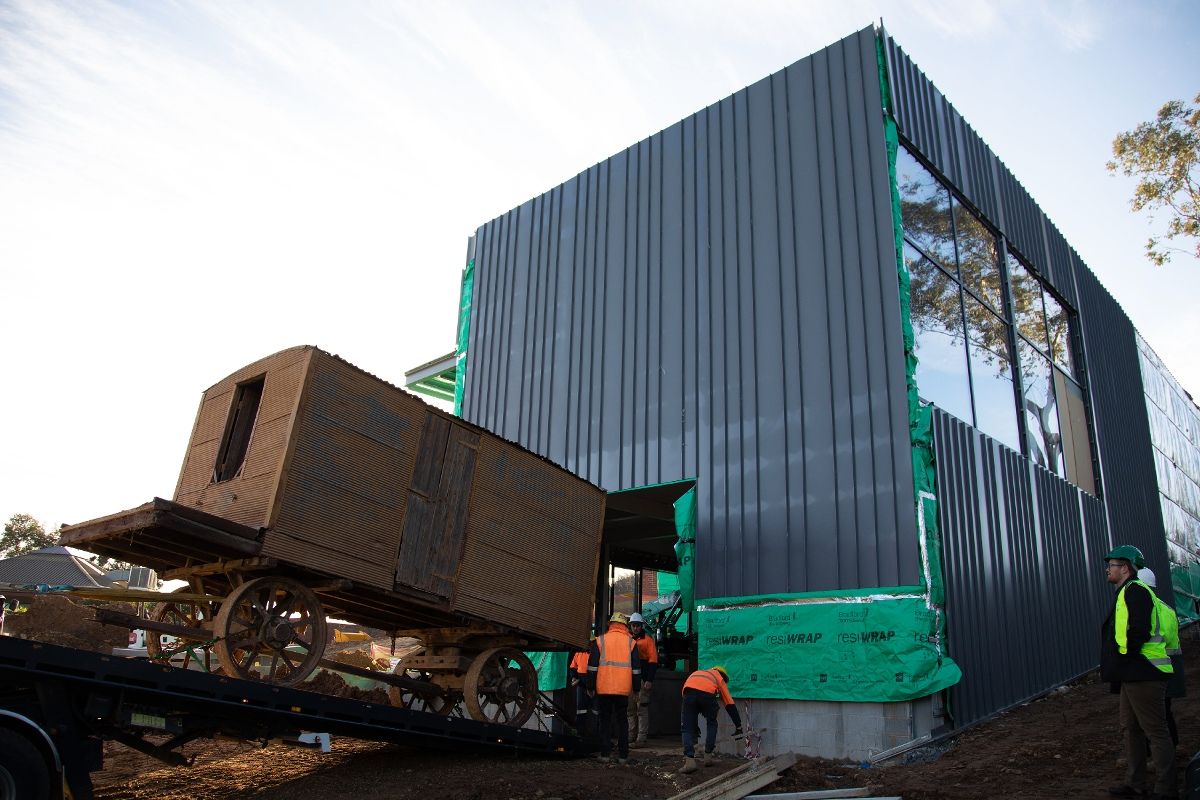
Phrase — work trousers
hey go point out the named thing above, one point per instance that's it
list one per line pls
(585, 714)
(612, 711)
(695, 705)
(639, 714)
(1143, 716)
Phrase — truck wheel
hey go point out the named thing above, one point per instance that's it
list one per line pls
(24, 774)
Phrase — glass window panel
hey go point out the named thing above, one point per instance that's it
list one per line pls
(938, 336)
(1028, 313)
(991, 374)
(1072, 419)
(978, 258)
(1042, 432)
(1058, 327)
(925, 209)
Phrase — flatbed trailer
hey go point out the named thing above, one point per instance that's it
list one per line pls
(58, 705)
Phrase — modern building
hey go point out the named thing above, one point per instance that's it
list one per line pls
(909, 417)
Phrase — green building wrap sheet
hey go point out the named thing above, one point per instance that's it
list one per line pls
(464, 331)
(551, 669)
(1186, 583)
(878, 646)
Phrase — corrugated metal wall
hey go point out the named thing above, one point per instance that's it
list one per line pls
(1018, 540)
(929, 121)
(1110, 350)
(1024, 591)
(719, 301)
(1119, 408)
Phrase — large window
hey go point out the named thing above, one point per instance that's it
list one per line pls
(964, 355)
(993, 344)
(1056, 433)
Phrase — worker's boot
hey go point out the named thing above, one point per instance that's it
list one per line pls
(709, 758)
(689, 765)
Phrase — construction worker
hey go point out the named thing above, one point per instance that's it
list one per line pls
(1133, 658)
(1177, 685)
(613, 673)
(639, 702)
(700, 693)
(578, 673)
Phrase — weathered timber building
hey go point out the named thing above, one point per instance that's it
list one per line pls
(750, 303)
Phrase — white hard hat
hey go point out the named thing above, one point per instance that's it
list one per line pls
(1146, 576)
(636, 617)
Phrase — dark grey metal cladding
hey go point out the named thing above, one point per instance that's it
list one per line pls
(720, 301)
(1018, 543)
(1110, 350)
(1123, 425)
(931, 123)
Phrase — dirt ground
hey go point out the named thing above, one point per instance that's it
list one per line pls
(1065, 745)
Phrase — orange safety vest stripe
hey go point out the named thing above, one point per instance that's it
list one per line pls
(579, 663)
(709, 681)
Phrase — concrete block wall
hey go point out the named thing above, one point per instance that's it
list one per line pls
(852, 731)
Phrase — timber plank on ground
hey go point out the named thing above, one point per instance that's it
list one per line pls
(738, 783)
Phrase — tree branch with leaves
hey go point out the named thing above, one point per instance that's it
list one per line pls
(1164, 156)
(24, 534)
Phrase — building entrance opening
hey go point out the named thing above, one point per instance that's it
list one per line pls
(639, 568)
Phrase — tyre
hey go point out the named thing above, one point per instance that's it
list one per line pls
(24, 774)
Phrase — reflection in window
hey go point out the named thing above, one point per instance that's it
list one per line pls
(1042, 433)
(1027, 304)
(964, 336)
(1058, 328)
(991, 374)
(978, 258)
(925, 209)
(938, 335)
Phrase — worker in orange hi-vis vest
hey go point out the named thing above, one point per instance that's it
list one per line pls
(700, 693)
(577, 674)
(639, 702)
(613, 673)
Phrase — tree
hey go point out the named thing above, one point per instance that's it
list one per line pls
(23, 534)
(1164, 156)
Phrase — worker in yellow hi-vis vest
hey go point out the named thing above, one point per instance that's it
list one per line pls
(1133, 658)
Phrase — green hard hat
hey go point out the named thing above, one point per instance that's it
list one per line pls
(1129, 553)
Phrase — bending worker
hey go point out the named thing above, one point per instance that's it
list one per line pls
(639, 702)
(700, 692)
(613, 673)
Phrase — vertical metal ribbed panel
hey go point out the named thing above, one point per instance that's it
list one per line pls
(720, 301)
(1017, 541)
(930, 122)
(1122, 425)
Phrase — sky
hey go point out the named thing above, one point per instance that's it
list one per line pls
(186, 187)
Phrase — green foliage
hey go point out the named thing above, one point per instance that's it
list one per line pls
(1164, 156)
(108, 564)
(24, 534)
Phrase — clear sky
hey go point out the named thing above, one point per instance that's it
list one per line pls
(186, 187)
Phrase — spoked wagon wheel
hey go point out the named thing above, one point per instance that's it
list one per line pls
(407, 698)
(183, 652)
(270, 629)
(501, 686)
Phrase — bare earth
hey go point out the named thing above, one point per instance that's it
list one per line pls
(1065, 745)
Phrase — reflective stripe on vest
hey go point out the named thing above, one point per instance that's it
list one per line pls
(1154, 650)
(614, 674)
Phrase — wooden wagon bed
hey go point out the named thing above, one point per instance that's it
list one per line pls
(183, 543)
